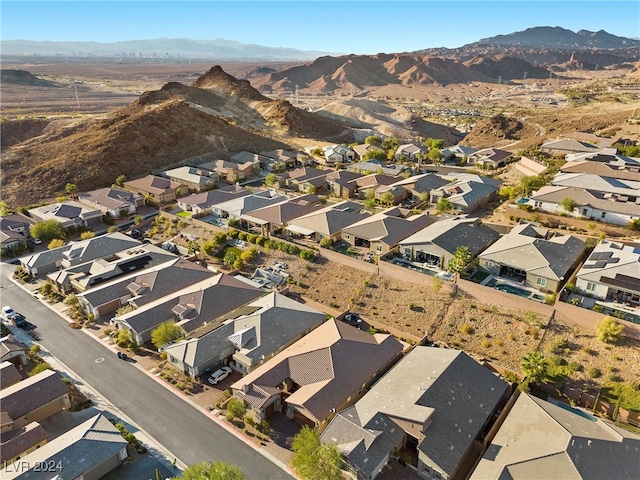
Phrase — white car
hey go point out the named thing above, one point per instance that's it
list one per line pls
(8, 312)
(219, 375)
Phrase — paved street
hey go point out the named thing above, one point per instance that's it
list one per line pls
(179, 427)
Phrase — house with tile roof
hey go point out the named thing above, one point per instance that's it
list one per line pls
(112, 201)
(9, 374)
(15, 444)
(409, 151)
(420, 186)
(201, 203)
(14, 231)
(190, 307)
(140, 288)
(609, 156)
(367, 185)
(236, 208)
(602, 169)
(534, 256)
(437, 243)
(274, 217)
(11, 242)
(381, 233)
(325, 371)
(611, 273)
(35, 398)
(489, 157)
(287, 157)
(307, 179)
(89, 451)
(467, 192)
(618, 209)
(246, 337)
(13, 351)
(341, 183)
(78, 278)
(75, 253)
(459, 152)
(197, 179)
(70, 214)
(361, 150)
(435, 402)
(158, 189)
(539, 439)
(229, 171)
(327, 222)
(564, 146)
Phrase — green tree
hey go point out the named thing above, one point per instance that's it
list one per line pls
(212, 471)
(41, 367)
(71, 189)
(375, 154)
(124, 337)
(87, 235)
(461, 258)
(229, 258)
(386, 198)
(55, 243)
(47, 230)
(373, 140)
(534, 366)
(193, 247)
(443, 205)
(236, 408)
(120, 179)
(390, 143)
(569, 204)
(435, 155)
(531, 183)
(166, 332)
(370, 204)
(433, 143)
(609, 330)
(270, 180)
(4, 209)
(634, 225)
(314, 460)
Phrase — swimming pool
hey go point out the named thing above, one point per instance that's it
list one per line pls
(212, 219)
(577, 411)
(512, 289)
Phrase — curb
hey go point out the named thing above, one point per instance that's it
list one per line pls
(157, 446)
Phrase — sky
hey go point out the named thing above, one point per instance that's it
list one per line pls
(361, 27)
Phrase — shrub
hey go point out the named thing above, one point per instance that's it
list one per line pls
(594, 372)
(236, 408)
(107, 331)
(609, 330)
(35, 348)
(41, 367)
(308, 255)
(466, 328)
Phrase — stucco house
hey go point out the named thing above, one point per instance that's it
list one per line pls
(201, 203)
(264, 327)
(409, 151)
(112, 201)
(467, 192)
(534, 256)
(325, 371)
(541, 439)
(491, 157)
(13, 351)
(435, 403)
(437, 243)
(158, 189)
(70, 214)
(327, 222)
(197, 179)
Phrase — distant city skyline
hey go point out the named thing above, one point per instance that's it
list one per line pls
(360, 27)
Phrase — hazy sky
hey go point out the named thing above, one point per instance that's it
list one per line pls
(348, 26)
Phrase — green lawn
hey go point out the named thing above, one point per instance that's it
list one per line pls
(229, 248)
(183, 214)
(479, 276)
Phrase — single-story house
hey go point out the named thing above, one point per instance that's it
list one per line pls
(307, 179)
(391, 194)
(542, 439)
(200, 203)
(611, 273)
(265, 327)
(13, 351)
(89, 452)
(75, 253)
(375, 166)
(327, 222)
(534, 256)
(564, 146)
(409, 151)
(437, 243)
(341, 183)
(143, 287)
(16, 443)
(286, 157)
(237, 207)
(361, 150)
(421, 186)
(435, 402)
(35, 398)
(69, 213)
(381, 233)
(11, 241)
(334, 154)
(230, 171)
(191, 307)
(158, 189)
(609, 156)
(325, 371)
(467, 192)
(277, 216)
(492, 157)
(83, 276)
(592, 204)
(196, 179)
(459, 152)
(112, 201)
(616, 186)
(9, 374)
(370, 183)
(608, 170)
(14, 230)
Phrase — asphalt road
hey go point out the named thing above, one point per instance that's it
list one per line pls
(174, 423)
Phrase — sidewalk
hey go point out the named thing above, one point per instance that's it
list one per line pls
(275, 453)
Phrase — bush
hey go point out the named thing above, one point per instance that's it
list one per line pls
(594, 372)
(466, 328)
(609, 330)
(236, 408)
(35, 348)
(41, 367)
(308, 255)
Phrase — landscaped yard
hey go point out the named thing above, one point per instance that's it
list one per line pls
(183, 214)
(229, 248)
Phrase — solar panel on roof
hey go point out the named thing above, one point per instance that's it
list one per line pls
(600, 255)
(600, 264)
(622, 281)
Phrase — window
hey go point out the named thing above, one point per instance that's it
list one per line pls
(379, 248)
(541, 281)
(347, 236)
(603, 214)
(584, 212)
(591, 286)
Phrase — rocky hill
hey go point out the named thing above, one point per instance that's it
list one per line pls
(561, 38)
(217, 114)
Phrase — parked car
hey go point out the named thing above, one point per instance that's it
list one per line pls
(36, 241)
(8, 312)
(219, 375)
(137, 234)
(19, 320)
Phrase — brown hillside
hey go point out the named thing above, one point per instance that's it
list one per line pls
(489, 132)
(509, 68)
